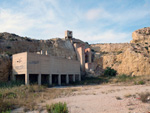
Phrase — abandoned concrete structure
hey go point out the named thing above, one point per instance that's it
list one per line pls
(46, 69)
(32, 67)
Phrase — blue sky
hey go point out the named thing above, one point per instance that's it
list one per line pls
(93, 21)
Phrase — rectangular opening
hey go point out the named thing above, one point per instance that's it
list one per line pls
(20, 78)
(54, 79)
(44, 79)
(33, 78)
(70, 78)
(63, 79)
(77, 77)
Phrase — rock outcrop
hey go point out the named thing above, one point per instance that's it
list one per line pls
(127, 58)
(141, 35)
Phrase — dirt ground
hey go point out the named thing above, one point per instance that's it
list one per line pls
(106, 99)
(103, 99)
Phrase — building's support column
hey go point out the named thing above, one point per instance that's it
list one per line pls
(74, 79)
(67, 79)
(27, 79)
(59, 79)
(39, 79)
(50, 79)
(79, 77)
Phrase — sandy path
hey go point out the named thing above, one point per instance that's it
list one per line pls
(103, 99)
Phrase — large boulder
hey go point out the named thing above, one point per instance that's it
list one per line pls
(141, 35)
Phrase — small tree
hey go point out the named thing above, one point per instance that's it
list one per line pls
(110, 72)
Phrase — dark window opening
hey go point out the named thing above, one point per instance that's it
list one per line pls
(70, 78)
(33, 78)
(55, 79)
(45, 79)
(77, 77)
(63, 80)
(20, 78)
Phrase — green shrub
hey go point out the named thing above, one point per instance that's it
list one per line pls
(8, 53)
(146, 47)
(110, 72)
(119, 52)
(141, 82)
(57, 108)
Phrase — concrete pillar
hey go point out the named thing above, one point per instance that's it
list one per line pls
(79, 77)
(39, 79)
(50, 79)
(27, 79)
(46, 53)
(67, 79)
(74, 79)
(59, 79)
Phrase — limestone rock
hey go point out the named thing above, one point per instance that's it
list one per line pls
(135, 60)
(141, 35)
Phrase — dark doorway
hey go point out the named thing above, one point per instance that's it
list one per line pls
(63, 79)
(70, 78)
(54, 79)
(20, 78)
(86, 56)
(77, 77)
(33, 78)
(44, 79)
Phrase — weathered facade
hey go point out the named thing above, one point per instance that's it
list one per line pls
(32, 67)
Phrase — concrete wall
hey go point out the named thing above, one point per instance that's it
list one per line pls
(46, 64)
(19, 63)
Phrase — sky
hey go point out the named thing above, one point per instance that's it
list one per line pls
(93, 21)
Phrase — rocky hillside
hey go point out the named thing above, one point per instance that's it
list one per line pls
(11, 44)
(126, 58)
(141, 35)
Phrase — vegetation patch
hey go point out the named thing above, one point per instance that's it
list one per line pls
(145, 97)
(57, 108)
(110, 72)
(125, 78)
(16, 95)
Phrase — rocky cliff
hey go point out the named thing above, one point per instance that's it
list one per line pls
(127, 58)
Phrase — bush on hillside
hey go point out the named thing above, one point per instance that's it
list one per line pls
(110, 72)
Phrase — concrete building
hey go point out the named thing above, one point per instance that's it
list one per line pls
(43, 68)
(32, 67)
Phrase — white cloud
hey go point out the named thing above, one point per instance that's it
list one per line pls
(98, 13)
(14, 22)
(110, 36)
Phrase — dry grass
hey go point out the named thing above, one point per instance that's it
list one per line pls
(145, 97)
(29, 96)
